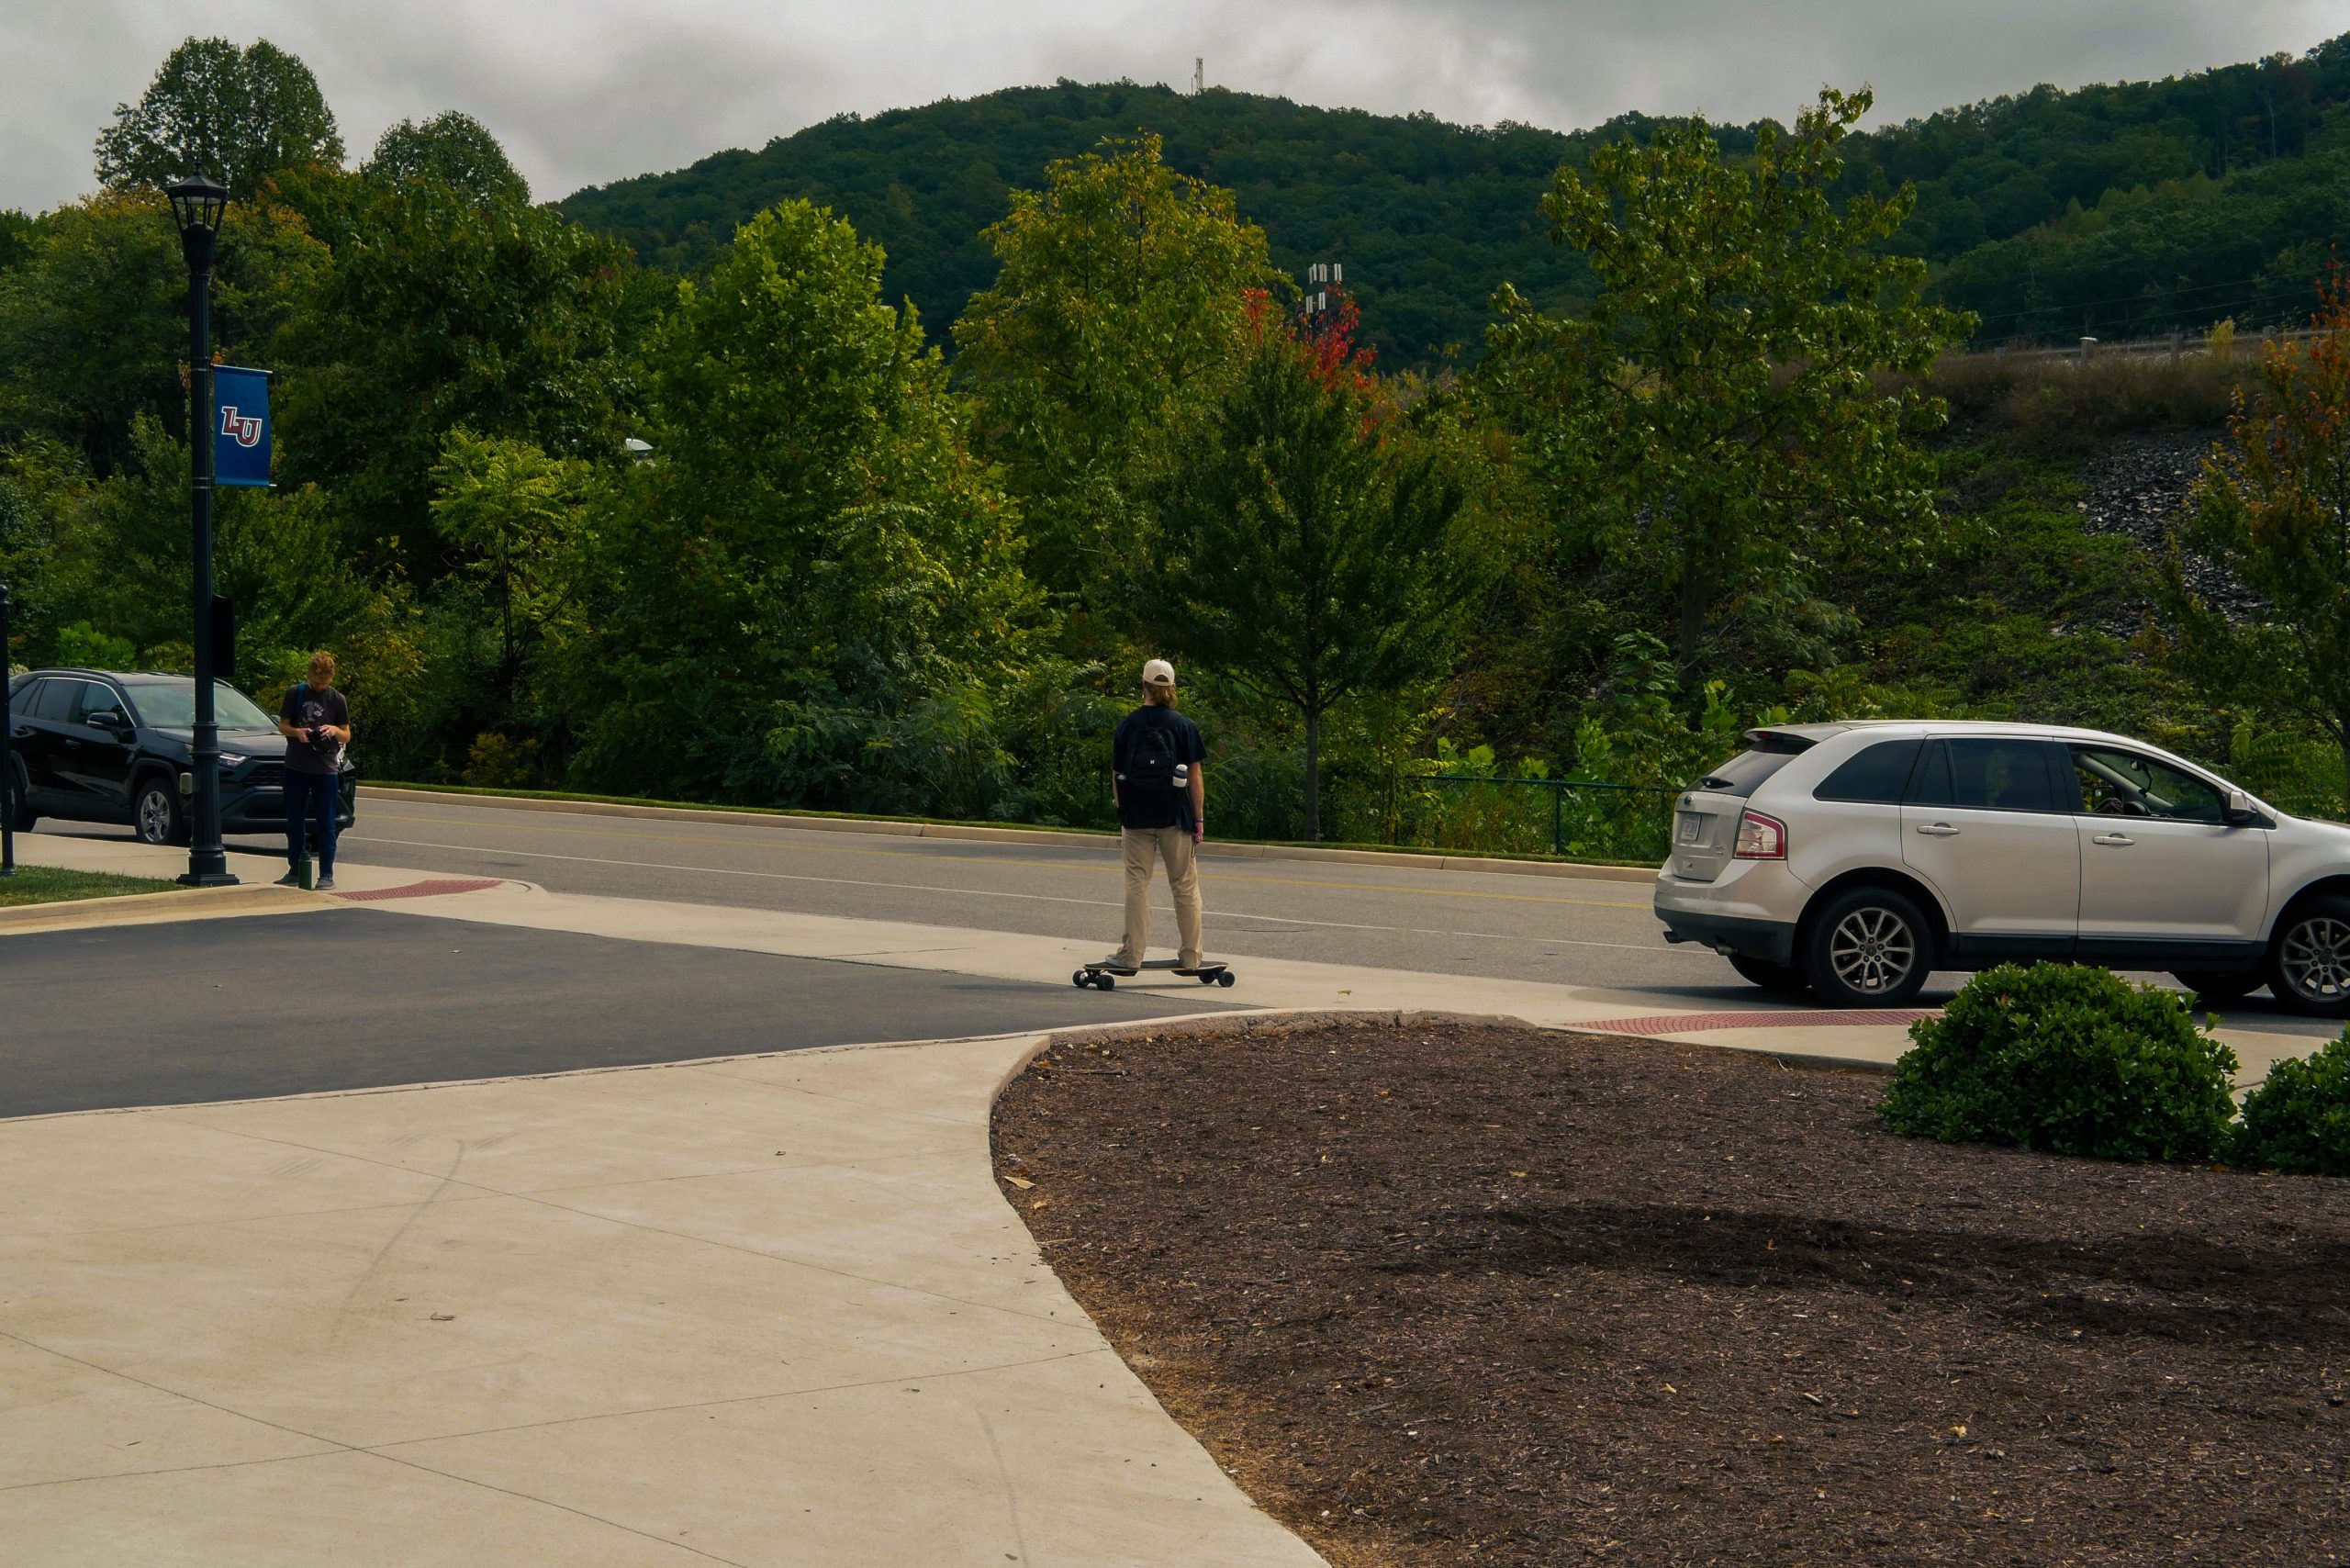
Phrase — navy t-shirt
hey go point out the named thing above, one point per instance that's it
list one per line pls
(1149, 806)
(305, 707)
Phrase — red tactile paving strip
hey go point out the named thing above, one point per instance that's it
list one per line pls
(1690, 1022)
(421, 890)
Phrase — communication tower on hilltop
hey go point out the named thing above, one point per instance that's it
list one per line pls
(1199, 74)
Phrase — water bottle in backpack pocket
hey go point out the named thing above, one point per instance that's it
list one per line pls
(1151, 762)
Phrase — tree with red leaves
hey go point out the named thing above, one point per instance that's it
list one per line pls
(1305, 548)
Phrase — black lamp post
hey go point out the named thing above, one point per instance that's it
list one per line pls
(196, 206)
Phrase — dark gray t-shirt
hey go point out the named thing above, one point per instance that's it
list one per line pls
(307, 707)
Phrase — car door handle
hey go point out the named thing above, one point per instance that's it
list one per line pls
(2114, 840)
(1937, 829)
(73, 745)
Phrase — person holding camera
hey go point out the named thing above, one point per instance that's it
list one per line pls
(315, 719)
(1159, 783)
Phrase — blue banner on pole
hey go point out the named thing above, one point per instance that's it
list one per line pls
(241, 426)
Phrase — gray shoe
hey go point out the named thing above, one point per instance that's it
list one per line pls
(325, 884)
(291, 880)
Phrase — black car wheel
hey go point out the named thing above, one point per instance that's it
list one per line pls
(1869, 947)
(2309, 963)
(1781, 980)
(156, 813)
(2209, 987)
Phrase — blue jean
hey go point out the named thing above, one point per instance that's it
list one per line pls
(306, 793)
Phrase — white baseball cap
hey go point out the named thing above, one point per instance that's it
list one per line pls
(1158, 672)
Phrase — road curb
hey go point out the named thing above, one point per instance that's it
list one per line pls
(1212, 849)
(151, 909)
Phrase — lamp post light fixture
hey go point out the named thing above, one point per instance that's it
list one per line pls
(196, 206)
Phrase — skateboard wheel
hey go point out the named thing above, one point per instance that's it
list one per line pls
(1106, 981)
(1224, 978)
(1080, 978)
(1207, 979)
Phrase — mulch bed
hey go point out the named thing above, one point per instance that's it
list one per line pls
(1468, 1294)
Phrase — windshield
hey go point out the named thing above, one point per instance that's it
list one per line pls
(171, 705)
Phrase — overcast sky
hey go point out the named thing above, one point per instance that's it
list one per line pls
(586, 91)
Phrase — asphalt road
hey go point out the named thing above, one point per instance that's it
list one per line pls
(1565, 930)
(356, 998)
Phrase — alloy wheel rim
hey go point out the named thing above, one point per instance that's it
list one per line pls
(154, 817)
(1872, 950)
(2316, 960)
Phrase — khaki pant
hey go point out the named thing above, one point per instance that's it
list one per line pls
(1172, 844)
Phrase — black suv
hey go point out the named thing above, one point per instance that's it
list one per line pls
(95, 746)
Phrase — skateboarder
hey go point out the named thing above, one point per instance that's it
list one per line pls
(1158, 782)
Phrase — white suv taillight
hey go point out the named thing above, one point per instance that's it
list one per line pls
(1761, 837)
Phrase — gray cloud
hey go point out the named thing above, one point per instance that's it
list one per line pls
(587, 91)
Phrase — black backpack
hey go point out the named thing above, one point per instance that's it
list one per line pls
(1151, 762)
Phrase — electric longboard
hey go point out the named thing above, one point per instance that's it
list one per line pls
(1104, 977)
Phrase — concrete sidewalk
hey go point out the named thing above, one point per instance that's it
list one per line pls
(769, 1310)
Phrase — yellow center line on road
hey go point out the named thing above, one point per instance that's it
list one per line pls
(1221, 876)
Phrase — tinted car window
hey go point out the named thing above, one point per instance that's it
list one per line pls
(21, 700)
(1744, 773)
(1875, 774)
(1984, 776)
(58, 699)
(2125, 784)
(98, 698)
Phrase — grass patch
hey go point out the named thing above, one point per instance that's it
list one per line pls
(44, 884)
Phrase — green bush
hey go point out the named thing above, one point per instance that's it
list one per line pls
(83, 646)
(2069, 1059)
(2300, 1119)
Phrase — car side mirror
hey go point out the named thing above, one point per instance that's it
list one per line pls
(113, 724)
(2238, 812)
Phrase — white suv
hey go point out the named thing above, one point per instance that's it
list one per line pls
(1855, 858)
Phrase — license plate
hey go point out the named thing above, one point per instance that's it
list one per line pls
(1690, 829)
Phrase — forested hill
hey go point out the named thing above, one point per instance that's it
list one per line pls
(2111, 210)
(1429, 218)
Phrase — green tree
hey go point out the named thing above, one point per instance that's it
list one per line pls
(119, 558)
(450, 148)
(18, 230)
(443, 311)
(813, 550)
(1716, 414)
(1306, 548)
(518, 516)
(93, 322)
(1123, 295)
(2273, 511)
(238, 115)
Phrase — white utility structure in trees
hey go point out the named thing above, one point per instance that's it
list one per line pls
(1320, 278)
